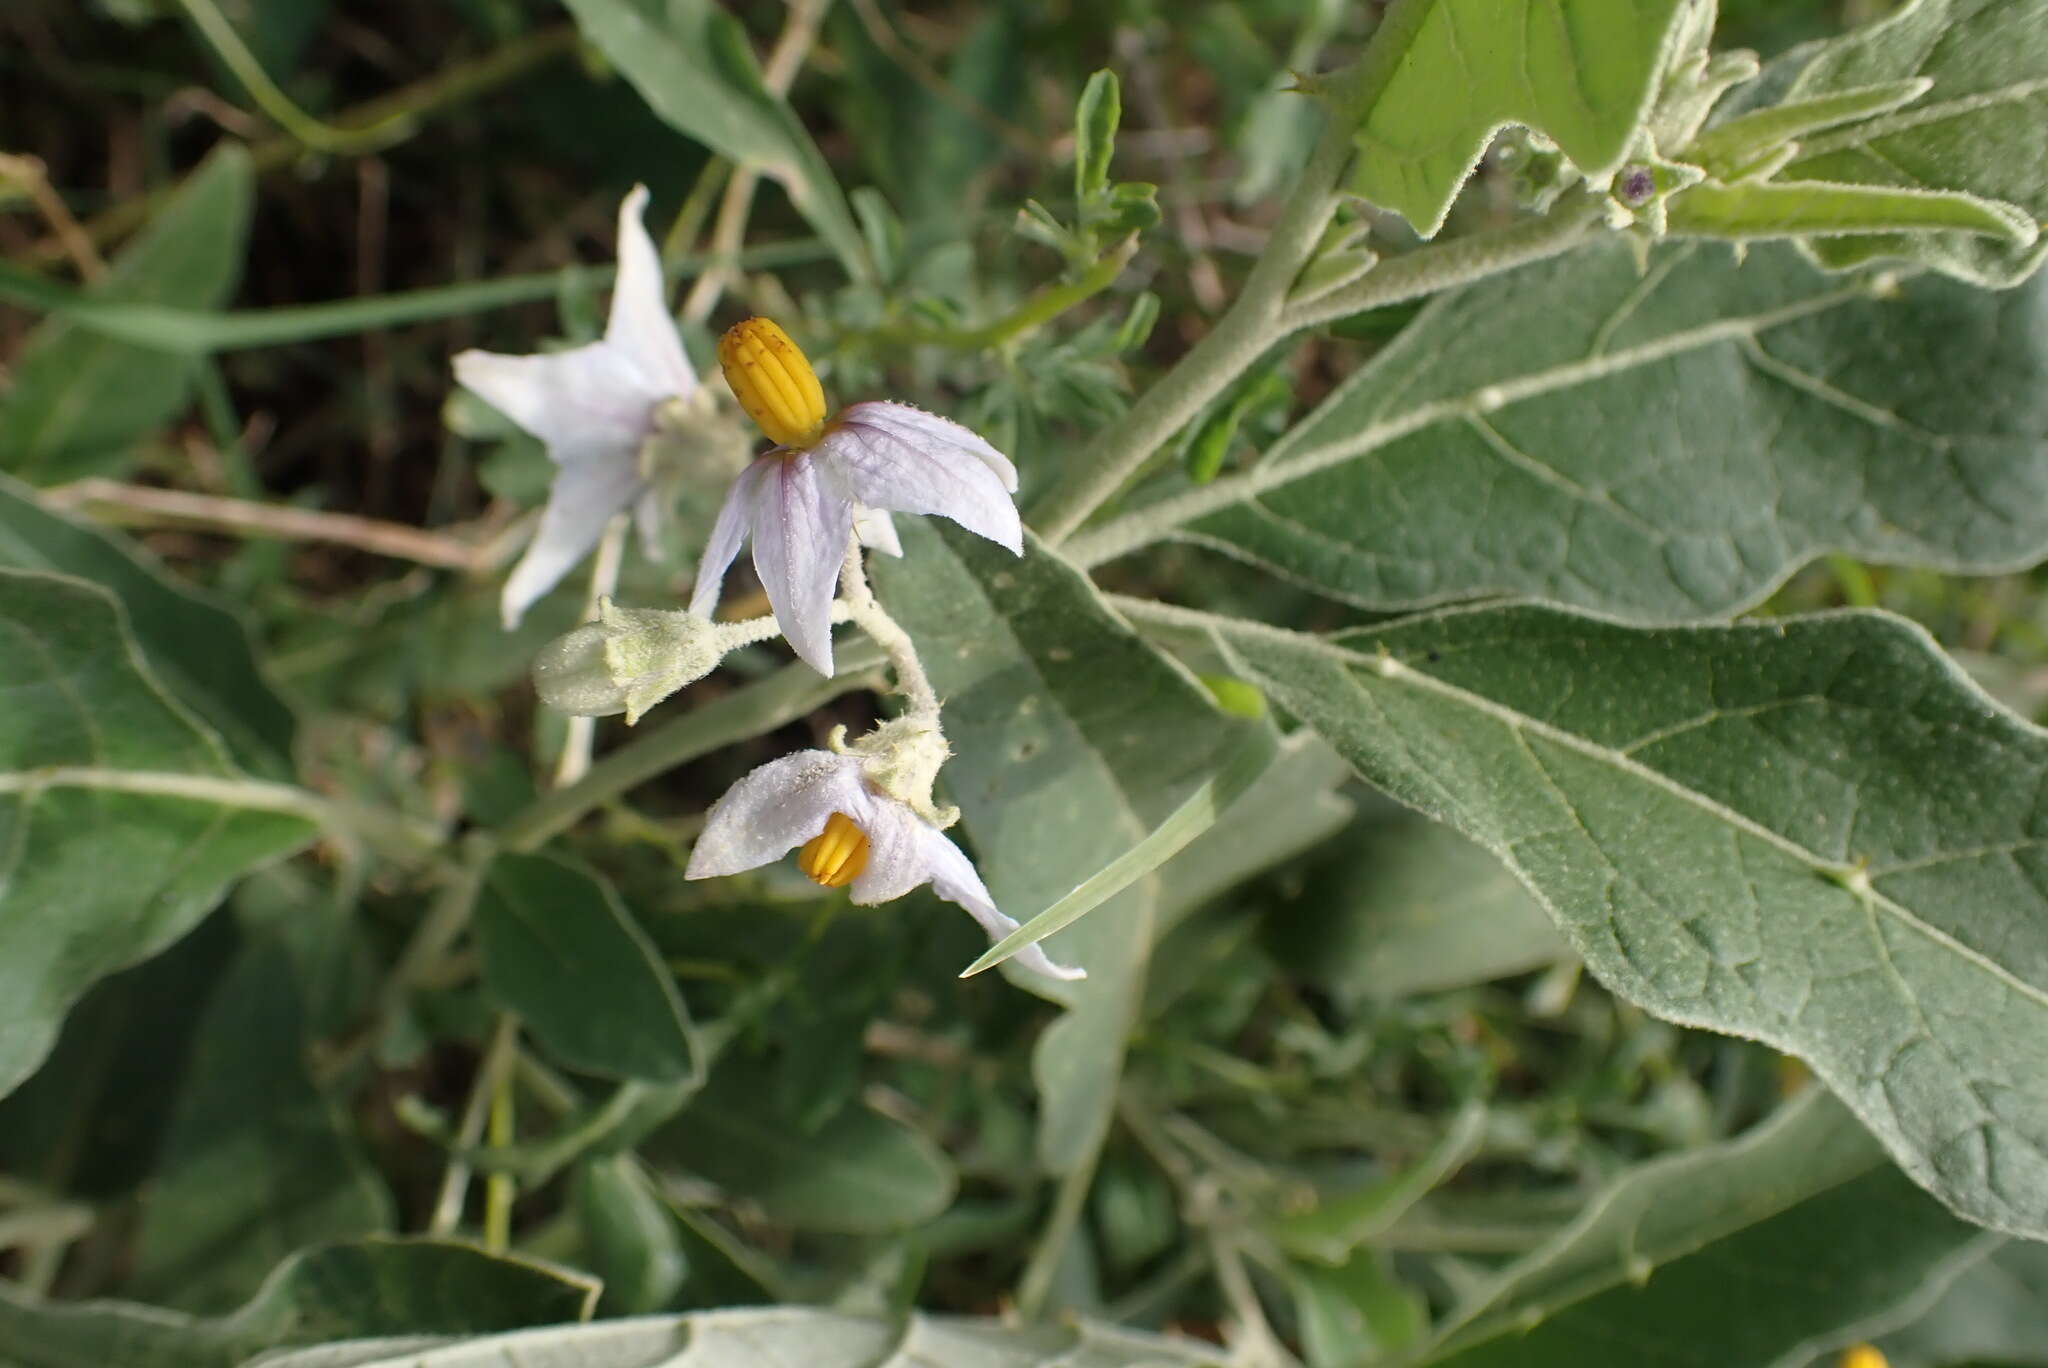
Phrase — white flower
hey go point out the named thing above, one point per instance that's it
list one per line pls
(852, 833)
(802, 499)
(594, 406)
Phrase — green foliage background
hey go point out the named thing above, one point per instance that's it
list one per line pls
(334, 1029)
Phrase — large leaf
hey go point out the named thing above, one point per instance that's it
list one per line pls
(198, 650)
(119, 810)
(757, 1336)
(1404, 906)
(560, 949)
(1996, 1312)
(376, 1287)
(1443, 76)
(690, 61)
(1662, 446)
(91, 1120)
(1820, 1275)
(1071, 740)
(1982, 129)
(257, 1162)
(80, 399)
(1662, 1211)
(859, 1173)
(1814, 832)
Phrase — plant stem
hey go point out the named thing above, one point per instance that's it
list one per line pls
(1253, 323)
(1040, 309)
(1036, 1285)
(792, 45)
(1420, 272)
(278, 106)
(248, 517)
(417, 102)
(1443, 265)
(34, 179)
(748, 711)
(500, 1189)
(871, 617)
(496, 1063)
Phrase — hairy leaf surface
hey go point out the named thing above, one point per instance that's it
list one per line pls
(1814, 832)
(374, 1287)
(1072, 739)
(1982, 129)
(1443, 76)
(1664, 446)
(754, 1336)
(124, 820)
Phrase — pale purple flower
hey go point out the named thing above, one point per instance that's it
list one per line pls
(594, 406)
(788, 802)
(800, 504)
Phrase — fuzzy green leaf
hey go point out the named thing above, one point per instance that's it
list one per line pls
(1072, 740)
(1664, 446)
(562, 951)
(119, 807)
(371, 1288)
(750, 1337)
(690, 61)
(1441, 77)
(199, 651)
(1813, 832)
(1981, 130)
(1755, 211)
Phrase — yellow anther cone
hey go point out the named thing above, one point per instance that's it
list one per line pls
(1863, 1356)
(773, 381)
(835, 856)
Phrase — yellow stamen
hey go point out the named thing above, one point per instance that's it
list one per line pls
(773, 381)
(1864, 1356)
(835, 856)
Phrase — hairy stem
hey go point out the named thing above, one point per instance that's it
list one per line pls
(871, 617)
(454, 1190)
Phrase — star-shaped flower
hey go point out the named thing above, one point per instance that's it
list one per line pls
(800, 500)
(594, 406)
(852, 833)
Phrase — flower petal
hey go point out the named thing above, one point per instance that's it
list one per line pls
(885, 467)
(589, 404)
(896, 854)
(955, 879)
(640, 325)
(728, 534)
(583, 498)
(801, 526)
(911, 421)
(876, 532)
(775, 809)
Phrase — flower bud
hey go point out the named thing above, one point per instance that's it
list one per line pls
(627, 661)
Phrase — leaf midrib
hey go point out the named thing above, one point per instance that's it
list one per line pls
(1151, 523)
